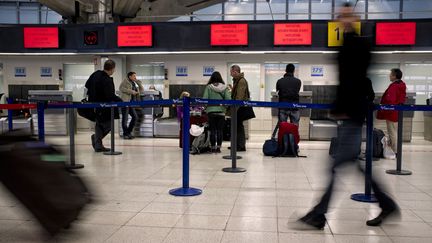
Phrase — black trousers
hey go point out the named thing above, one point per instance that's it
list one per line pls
(347, 151)
(102, 128)
(241, 137)
(127, 129)
(216, 124)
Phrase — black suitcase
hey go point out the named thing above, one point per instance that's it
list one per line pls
(333, 146)
(378, 149)
(36, 174)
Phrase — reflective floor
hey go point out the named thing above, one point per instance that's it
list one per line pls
(134, 205)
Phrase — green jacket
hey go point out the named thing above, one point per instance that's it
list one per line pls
(216, 92)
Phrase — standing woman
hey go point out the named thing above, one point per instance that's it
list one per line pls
(216, 89)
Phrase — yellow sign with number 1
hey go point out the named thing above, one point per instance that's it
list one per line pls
(336, 30)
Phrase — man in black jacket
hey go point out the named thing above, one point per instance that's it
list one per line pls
(100, 88)
(288, 89)
(354, 94)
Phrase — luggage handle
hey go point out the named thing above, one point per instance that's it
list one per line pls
(275, 131)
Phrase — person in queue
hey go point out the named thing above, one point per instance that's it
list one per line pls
(100, 88)
(239, 91)
(130, 90)
(350, 107)
(394, 95)
(288, 89)
(216, 89)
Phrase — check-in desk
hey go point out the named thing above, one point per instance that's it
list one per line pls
(305, 97)
(144, 126)
(407, 116)
(56, 120)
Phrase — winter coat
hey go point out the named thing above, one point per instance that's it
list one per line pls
(240, 90)
(394, 95)
(217, 91)
(126, 90)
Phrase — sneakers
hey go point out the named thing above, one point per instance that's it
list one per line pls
(309, 222)
(385, 213)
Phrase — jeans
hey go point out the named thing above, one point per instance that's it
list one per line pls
(216, 124)
(349, 137)
(127, 129)
(294, 116)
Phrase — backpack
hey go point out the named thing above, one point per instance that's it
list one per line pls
(201, 144)
(378, 149)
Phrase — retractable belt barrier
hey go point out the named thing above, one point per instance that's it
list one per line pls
(185, 190)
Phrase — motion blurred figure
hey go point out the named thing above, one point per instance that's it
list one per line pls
(353, 95)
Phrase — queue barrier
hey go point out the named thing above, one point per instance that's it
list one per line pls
(185, 190)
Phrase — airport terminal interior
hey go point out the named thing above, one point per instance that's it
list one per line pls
(49, 49)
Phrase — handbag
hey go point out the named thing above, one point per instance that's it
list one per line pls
(245, 113)
(271, 146)
(87, 113)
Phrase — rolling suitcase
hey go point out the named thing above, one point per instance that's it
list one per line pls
(36, 174)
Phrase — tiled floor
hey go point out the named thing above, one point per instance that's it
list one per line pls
(134, 205)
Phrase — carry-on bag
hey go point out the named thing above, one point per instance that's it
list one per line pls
(271, 146)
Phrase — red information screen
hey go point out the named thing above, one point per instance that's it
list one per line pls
(396, 33)
(293, 34)
(229, 35)
(41, 37)
(134, 35)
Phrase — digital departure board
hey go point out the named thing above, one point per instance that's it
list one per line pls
(396, 33)
(41, 37)
(293, 34)
(134, 35)
(229, 35)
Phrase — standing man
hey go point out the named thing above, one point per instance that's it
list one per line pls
(100, 88)
(288, 89)
(394, 95)
(240, 91)
(352, 99)
(130, 90)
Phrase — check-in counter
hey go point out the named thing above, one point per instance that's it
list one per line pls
(56, 120)
(407, 117)
(305, 97)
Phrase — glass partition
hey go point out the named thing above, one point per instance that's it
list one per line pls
(274, 72)
(150, 74)
(418, 78)
(75, 77)
(378, 73)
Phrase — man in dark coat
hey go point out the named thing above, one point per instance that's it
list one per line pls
(354, 94)
(288, 89)
(100, 88)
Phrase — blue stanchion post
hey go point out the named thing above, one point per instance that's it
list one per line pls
(41, 121)
(367, 196)
(185, 190)
(10, 115)
(399, 170)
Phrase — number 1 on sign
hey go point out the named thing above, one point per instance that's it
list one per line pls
(336, 30)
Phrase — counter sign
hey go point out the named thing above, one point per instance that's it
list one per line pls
(181, 71)
(134, 35)
(293, 34)
(229, 35)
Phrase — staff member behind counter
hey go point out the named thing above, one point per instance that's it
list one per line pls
(130, 90)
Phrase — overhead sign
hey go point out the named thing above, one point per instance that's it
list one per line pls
(229, 35)
(41, 37)
(90, 38)
(181, 71)
(134, 35)
(293, 34)
(336, 30)
(396, 33)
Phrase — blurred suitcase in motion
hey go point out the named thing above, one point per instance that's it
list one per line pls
(36, 174)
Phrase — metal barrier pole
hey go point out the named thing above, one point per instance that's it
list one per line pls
(233, 152)
(10, 115)
(72, 164)
(185, 190)
(112, 151)
(41, 120)
(399, 170)
(367, 196)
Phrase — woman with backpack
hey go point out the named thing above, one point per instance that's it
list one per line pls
(216, 89)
